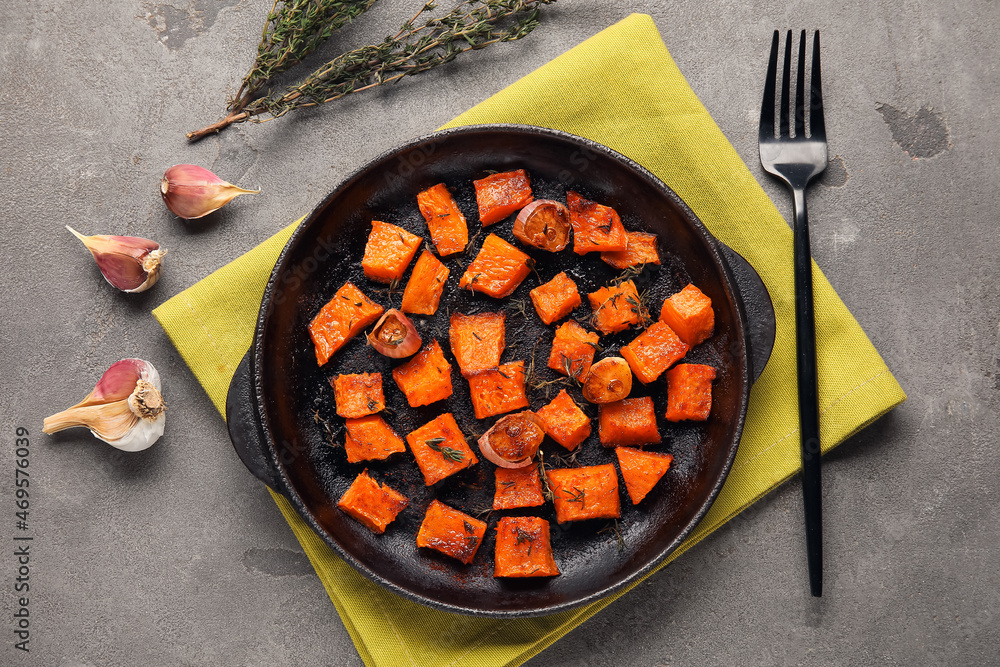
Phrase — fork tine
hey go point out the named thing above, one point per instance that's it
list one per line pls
(800, 81)
(767, 106)
(786, 84)
(817, 126)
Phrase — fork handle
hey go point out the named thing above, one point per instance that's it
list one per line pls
(805, 338)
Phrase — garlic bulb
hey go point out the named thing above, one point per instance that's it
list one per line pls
(190, 191)
(125, 409)
(130, 263)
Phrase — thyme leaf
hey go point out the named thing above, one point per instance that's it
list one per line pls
(447, 452)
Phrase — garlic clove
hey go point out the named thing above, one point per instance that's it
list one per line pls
(125, 409)
(129, 263)
(190, 191)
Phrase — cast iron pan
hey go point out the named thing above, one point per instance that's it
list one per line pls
(281, 412)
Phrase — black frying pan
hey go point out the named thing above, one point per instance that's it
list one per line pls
(280, 406)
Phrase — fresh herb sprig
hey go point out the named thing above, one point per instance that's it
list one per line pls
(472, 25)
(447, 452)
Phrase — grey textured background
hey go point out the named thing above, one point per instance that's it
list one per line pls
(176, 556)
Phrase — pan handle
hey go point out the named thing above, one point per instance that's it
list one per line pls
(757, 309)
(244, 427)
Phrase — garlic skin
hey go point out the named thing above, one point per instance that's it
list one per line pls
(191, 192)
(125, 409)
(129, 263)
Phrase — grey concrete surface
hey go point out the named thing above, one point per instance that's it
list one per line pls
(175, 556)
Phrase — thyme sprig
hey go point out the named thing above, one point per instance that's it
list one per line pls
(471, 25)
(447, 452)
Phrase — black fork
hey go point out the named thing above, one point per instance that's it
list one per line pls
(797, 160)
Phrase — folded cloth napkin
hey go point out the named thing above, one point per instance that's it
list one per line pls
(622, 89)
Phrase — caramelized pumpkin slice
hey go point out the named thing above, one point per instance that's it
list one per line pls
(426, 378)
(517, 487)
(451, 532)
(523, 548)
(564, 421)
(358, 394)
(628, 422)
(446, 223)
(690, 314)
(642, 249)
(499, 390)
(499, 195)
(370, 439)
(641, 470)
(423, 291)
(595, 227)
(388, 252)
(347, 313)
(555, 299)
(616, 307)
(573, 350)
(653, 351)
(477, 340)
(440, 449)
(497, 270)
(689, 392)
(372, 504)
(589, 492)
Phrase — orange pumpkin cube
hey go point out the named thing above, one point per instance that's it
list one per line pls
(497, 270)
(426, 378)
(358, 395)
(500, 390)
(653, 351)
(451, 532)
(689, 392)
(440, 449)
(573, 350)
(371, 503)
(347, 313)
(370, 439)
(517, 487)
(388, 252)
(423, 290)
(628, 422)
(477, 340)
(564, 421)
(642, 249)
(595, 227)
(590, 492)
(555, 299)
(523, 548)
(690, 314)
(446, 223)
(615, 307)
(499, 195)
(641, 470)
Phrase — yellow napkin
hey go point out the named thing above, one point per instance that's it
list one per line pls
(622, 89)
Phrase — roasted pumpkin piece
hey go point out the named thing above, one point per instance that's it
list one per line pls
(440, 449)
(641, 470)
(446, 223)
(616, 307)
(423, 291)
(373, 504)
(499, 195)
(564, 421)
(500, 390)
(628, 422)
(497, 270)
(689, 392)
(358, 394)
(573, 350)
(589, 492)
(426, 378)
(517, 487)
(653, 351)
(523, 548)
(477, 340)
(690, 314)
(388, 252)
(642, 249)
(555, 299)
(595, 227)
(370, 439)
(451, 532)
(347, 313)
